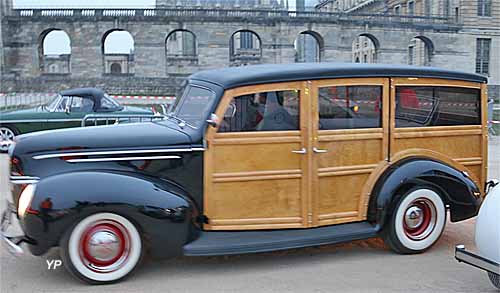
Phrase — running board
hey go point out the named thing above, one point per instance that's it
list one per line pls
(239, 242)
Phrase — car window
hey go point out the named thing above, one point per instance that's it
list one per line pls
(263, 111)
(81, 105)
(349, 107)
(437, 106)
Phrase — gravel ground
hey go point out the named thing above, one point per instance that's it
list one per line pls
(361, 266)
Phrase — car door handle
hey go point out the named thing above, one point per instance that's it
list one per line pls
(319, 151)
(301, 151)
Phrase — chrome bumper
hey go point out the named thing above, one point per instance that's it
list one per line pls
(462, 255)
(12, 243)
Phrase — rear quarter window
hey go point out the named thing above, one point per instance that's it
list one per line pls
(420, 106)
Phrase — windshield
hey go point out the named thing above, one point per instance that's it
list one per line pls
(53, 104)
(194, 105)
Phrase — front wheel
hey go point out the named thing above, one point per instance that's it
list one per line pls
(495, 279)
(417, 221)
(102, 248)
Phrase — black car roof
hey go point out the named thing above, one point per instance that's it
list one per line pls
(257, 74)
(94, 93)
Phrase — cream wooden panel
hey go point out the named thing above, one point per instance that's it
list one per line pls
(253, 180)
(340, 176)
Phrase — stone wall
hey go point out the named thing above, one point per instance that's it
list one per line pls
(154, 74)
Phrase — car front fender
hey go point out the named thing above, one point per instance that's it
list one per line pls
(161, 210)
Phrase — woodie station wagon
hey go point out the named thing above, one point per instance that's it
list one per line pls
(259, 158)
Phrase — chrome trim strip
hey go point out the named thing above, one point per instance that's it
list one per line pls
(462, 255)
(122, 159)
(23, 179)
(99, 153)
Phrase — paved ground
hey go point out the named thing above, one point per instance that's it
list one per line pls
(362, 266)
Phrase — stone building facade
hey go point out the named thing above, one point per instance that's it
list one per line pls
(217, 37)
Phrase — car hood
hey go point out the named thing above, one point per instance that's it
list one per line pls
(123, 136)
(21, 114)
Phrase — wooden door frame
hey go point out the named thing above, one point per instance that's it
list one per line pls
(270, 136)
(351, 134)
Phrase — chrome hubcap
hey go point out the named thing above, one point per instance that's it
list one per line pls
(104, 246)
(6, 134)
(420, 219)
(414, 217)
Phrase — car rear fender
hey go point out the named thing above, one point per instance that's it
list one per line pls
(456, 188)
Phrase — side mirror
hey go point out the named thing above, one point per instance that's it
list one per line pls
(67, 109)
(213, 121)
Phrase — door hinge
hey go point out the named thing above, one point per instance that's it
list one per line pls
(202, 219)
(309, 218)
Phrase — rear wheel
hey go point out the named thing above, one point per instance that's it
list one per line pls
(7, 135)
(495, 279)
(102, 248)
(417, 222)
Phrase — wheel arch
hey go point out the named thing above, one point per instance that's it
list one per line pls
(161, 211)
(458, 191)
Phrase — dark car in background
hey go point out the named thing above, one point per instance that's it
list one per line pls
(66, 110)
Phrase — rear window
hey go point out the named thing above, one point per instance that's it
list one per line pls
(437, 106)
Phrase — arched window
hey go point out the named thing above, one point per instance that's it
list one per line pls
(180, 43)
(116, 68)
(365, 48)
(420, 51)
(245, 48)
(118, 48)
(54, 50)
(308, 47)
(53, 68)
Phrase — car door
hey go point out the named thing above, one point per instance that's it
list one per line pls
(349, 139)
(257, 159)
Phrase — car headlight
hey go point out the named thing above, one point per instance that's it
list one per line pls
(25, 199)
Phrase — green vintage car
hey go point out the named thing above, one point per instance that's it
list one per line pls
(66, 110)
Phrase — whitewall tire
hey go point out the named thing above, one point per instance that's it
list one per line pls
(417, 221)
(102, 248)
